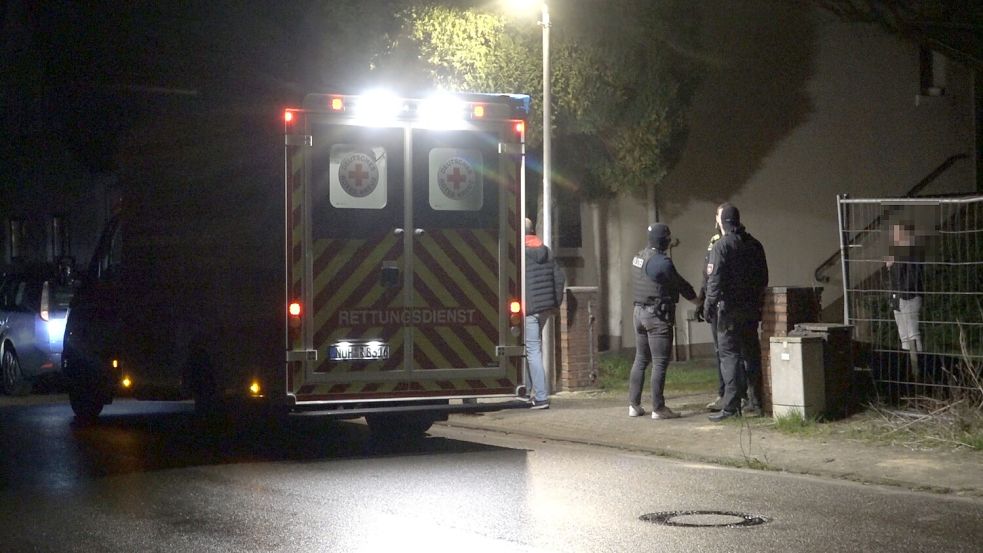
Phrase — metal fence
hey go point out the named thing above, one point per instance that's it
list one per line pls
(943, 239)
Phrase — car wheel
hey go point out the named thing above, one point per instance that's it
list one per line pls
(14, 383)
(86, 406)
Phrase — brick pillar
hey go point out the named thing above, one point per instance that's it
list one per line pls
(576, 355)
(785, 306)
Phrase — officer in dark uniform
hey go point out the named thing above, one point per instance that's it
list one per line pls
(737, 274)
(657, 287)
(700, 316)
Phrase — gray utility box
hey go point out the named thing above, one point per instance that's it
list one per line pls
(837, 365)
(797, 376)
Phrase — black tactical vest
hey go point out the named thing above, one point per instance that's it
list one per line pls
(646, 290)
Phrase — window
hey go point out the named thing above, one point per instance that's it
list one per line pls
(17, 237)
(60, 244)
(570, 231)
(931, 67)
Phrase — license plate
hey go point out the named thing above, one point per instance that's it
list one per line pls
(358, 352)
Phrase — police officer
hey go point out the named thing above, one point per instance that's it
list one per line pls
(657, 287)
(737, 274)
(700, 316)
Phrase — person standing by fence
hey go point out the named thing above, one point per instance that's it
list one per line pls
(905, 273)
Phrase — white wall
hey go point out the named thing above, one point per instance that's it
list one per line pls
(795, 107)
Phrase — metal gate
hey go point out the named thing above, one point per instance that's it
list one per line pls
(934, 299)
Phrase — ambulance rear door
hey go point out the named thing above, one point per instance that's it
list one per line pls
(411, 237)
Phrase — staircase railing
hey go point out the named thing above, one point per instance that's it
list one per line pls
(819, 273)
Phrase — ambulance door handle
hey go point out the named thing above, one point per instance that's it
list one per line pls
(389, 275)
(398, 232)
(418, 232)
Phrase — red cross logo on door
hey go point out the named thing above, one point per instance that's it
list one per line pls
(358, 174)
(456, 178)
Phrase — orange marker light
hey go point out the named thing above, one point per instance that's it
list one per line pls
(294, 309)
(515, 307)
(478, 111)
(337, 104)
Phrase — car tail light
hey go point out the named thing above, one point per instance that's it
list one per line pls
(45, 301)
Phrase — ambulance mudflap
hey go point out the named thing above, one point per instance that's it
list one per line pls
(403, 257)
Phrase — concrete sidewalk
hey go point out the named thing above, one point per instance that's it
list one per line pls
(596, 419)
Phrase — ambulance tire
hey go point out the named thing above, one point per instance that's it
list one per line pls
(208, 404)
(85, 404)
(406, 426)
(204, 391)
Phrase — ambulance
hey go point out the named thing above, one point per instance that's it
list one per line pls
(400, 272)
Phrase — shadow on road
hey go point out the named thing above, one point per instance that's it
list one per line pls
(42, 446)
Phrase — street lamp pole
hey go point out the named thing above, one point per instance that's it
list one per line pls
(547, 187)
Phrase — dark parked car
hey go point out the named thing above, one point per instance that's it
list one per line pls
(33, 310)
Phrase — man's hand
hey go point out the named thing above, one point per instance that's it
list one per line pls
(699, 314)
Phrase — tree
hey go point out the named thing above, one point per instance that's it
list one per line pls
(622, 78)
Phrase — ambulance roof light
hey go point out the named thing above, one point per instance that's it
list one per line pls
(378, 106)
(441, 110)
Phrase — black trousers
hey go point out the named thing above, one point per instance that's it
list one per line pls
(653, 343)
(716, 358)
(740, 359)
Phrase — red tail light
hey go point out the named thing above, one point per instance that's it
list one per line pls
(294, 309)
(515, 307)
(520, 127)
(288, 116)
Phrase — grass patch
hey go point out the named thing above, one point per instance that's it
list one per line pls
(795, 422)
(951, 426)
(682, 377)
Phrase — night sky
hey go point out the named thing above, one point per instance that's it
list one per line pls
(94, 67)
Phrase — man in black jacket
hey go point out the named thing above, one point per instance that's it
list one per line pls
(544, 294)
(737, 274)
(657, 287)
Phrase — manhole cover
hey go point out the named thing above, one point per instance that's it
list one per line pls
(718, 519)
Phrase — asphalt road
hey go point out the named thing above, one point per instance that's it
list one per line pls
(148, 477)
